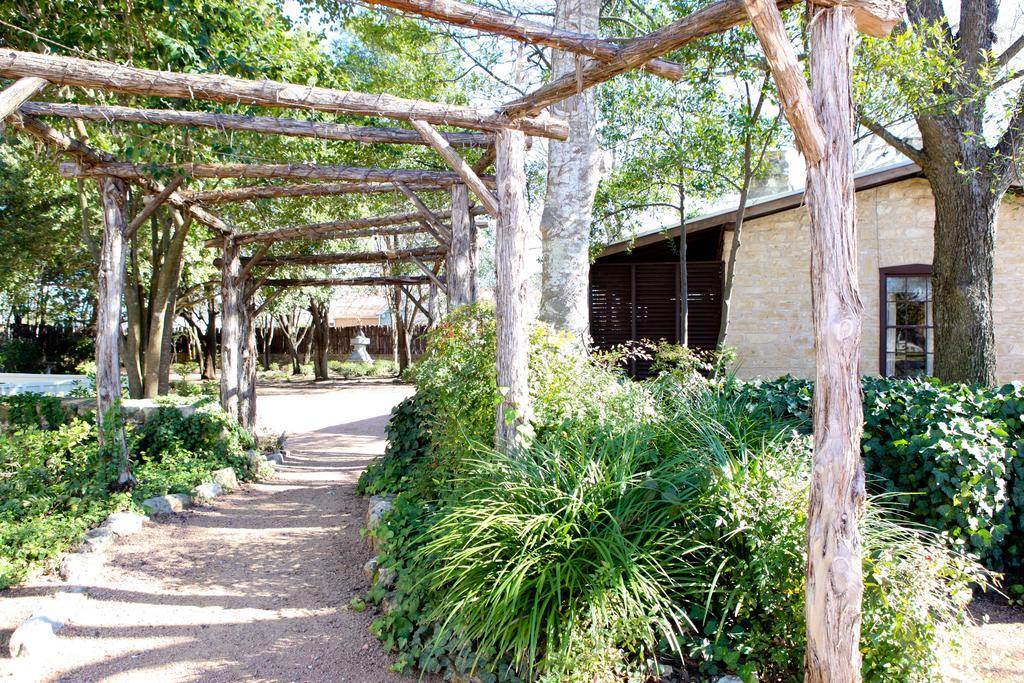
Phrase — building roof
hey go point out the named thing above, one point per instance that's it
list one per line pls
(360, 306)
(763, 206)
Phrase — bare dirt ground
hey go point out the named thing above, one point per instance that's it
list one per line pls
(255, 587)
(994, 651)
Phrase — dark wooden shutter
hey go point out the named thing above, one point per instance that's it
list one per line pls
(640, 301)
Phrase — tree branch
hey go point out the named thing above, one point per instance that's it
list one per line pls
(916, 155)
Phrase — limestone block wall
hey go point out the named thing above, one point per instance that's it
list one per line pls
(770, 324)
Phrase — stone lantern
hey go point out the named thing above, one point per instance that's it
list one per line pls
(360, 343)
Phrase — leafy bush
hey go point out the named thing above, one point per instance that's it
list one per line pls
(208, 387)
(20, 355)
(355, 370)
(407, 449)
(626, 548)
(956, 449)
(54, 482)
(34, 410)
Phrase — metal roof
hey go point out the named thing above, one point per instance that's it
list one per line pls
(763, 206)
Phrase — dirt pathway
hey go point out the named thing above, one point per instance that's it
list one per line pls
(255, 587)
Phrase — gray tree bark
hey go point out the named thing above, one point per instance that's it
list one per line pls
(114, 196)
(511, 291)
(571, 186)
(835, 585)
(232, 300)
(462, 258)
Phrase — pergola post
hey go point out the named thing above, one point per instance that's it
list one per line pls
(513, 336)
(249, 355)
(114, 197)
(834, 575)
(461, 262)
(231, 326)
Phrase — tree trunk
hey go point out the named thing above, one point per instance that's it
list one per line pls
(401, 332)
(134, 328)
(684, 281)
(962, 269)
(737, 237)
(114, 195)
(321, 338)
(510, 295)
(163, 285)
(231, 341)
(210, 341)
(835, 584)
(247, 368)
(462, 260)
(571, 186)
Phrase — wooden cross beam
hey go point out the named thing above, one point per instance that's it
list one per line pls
(151, 204)
(132, 80)
(349, 282)
(417, 302)
(523, 30)
(430, 220)
(19, 92)
(462, 169)
(282, 171)
(267, 125)
(239, 194)
(354, 257)
(390, 231)
(334, 228)
(877, 16)
(715, 18)
(85, 154)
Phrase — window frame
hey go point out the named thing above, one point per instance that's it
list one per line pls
(908, 270)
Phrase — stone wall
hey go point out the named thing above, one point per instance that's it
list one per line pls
(771, 305)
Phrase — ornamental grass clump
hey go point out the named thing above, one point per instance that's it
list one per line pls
(677, 541)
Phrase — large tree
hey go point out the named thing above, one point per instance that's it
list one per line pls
(573, 173)
(959, 90)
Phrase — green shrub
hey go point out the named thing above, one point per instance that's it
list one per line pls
(955, 449)
(208, 387)
(54, 482)
(406, 452)
(620, 549)
(356, 370)
(20, 355)
(34, 410)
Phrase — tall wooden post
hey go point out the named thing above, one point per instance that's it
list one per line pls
(248, 355)
(114, 196)
(834, 581)
(511, 289)
(461, 262)
(231, 327)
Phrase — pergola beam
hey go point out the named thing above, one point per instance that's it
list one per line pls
(789, 77)
(710, 20)
(338, 228)
(462, 169)
(410, 280)
(523, 30)
(84, 73)
(430, 220)
(384, 256)
(267, 125)
(151, 204)
(19, 92)
(281, 171)
(85, 154)
(240, 194)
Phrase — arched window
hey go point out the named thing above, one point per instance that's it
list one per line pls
(907, 340)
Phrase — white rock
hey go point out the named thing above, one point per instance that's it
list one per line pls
(379, 507)
(226, 478)
(125, 523)
(387, 577)
(97, 540)
(34, 636)
(277, 457)
(207, 491)
(165, 505)
(729, 679)
(80, 567)
(370, 569)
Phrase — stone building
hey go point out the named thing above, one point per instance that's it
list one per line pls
(635, 283)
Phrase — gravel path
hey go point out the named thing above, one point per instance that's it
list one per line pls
(255, 587)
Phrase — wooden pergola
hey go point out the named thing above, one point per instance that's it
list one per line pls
(821, 117)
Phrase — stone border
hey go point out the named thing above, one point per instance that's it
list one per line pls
(38, 633)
